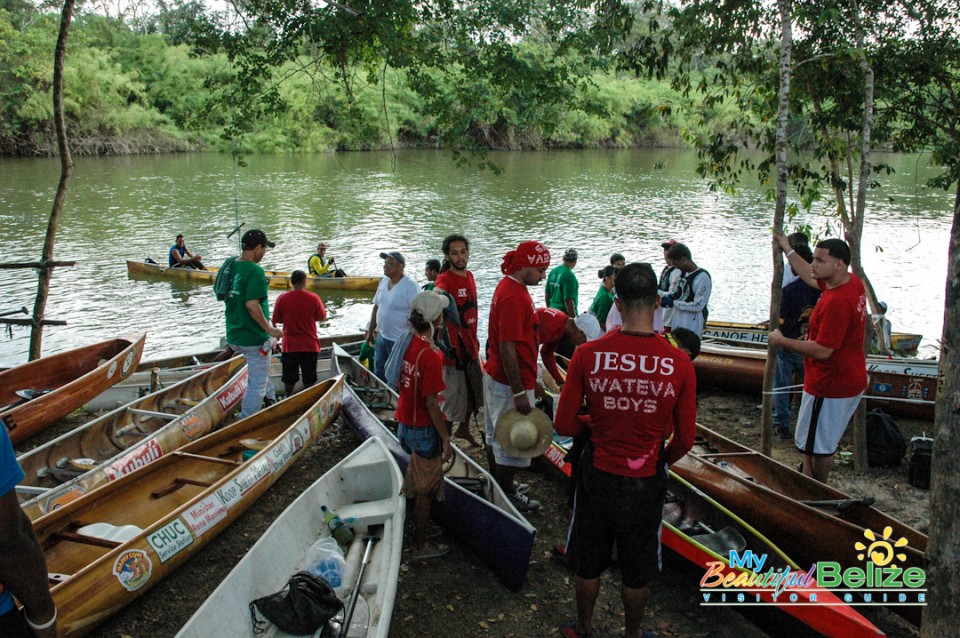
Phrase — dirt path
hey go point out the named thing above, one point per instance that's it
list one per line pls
(456, 596)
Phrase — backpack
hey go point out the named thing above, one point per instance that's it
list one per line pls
(886, 446)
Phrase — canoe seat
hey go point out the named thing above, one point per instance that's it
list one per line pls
(723, 542)
(368, 512)
(109, 532)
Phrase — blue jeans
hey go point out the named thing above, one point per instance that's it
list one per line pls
(258, 378)
(382, 349)
(788, 363)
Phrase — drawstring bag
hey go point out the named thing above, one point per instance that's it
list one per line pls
(304, 605)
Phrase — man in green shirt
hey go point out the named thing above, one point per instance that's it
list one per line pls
(563, 289)
(247, 316)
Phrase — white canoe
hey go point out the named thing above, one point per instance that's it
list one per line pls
(364, 486)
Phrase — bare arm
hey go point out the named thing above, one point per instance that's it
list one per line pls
(23, 568)
(436, 416)
(372, 330)
(548, 354)
(798, 263)
(568, 304)
(804, 348)
(511, 368)
(256, 313)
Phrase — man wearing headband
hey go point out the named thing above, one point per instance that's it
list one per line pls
(511, 368)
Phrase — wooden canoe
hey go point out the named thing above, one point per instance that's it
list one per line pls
(900, 385)
(811, 521)
(278, 279)
(112, 546)
(475, 509)
(67, 380)
(364, 486)
(755, 335)
(130, 437)
(155, 374)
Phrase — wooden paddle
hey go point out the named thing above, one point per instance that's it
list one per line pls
(842, 504)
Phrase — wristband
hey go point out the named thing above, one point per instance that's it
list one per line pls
(790, 253)
(520, 394)
(47, 625)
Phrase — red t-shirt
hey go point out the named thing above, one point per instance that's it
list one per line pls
(418, 380)
(463, 289)
(512, 319)
(299, 311)
(838, 322)
(550, 326)
(639, 390)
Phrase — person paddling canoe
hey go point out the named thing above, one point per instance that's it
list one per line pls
(180, 256)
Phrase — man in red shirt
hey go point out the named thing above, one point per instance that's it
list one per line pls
(511, 369)
(299, 310)
(834, 362)
(422, 432)
(639, 390)
(461, 372)
(553, 326)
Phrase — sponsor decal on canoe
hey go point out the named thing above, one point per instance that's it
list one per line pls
(133, 569)
(230, 397)
(144, 454)
(60, 499)
(557, 457)
(112, 369)
(735, 335)
(127, 364)
(193, 425)
(170, 539)
(882, 388)
(879, 582)
(205, 514)
(915, 389)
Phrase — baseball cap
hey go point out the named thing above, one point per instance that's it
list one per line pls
(571, 254)
(589, 325)
(253, 238)
(396, 255)
(667, 244)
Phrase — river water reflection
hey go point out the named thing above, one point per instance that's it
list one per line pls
(364, 203)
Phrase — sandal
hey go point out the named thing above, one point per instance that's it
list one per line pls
(429, 551)
(569, 630)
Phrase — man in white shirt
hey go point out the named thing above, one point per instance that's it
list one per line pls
(391, 308)
(691, 295)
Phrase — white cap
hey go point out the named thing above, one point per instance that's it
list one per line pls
(588, 323)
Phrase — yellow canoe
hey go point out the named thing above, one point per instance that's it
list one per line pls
(275, 278)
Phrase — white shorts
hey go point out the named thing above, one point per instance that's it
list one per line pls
(497, 400)
(822, 422)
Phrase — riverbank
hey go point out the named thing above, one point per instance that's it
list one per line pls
(456, 596)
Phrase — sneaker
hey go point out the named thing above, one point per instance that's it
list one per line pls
(520, 488)
(524, 503)
(559, 549)
(268, 402)
(783, 433)
(434, 531)
(569, 630)
(429, 551)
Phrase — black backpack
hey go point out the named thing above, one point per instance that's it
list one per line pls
(886, 446)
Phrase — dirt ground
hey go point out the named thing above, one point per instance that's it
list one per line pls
(456, 596)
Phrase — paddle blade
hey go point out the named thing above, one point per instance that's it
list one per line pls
(360, 621)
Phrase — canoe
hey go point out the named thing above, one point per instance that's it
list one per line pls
(156, 374)
(755, 335)
(701, 530)
(139, 433)
(364, 486)
(811, 521)
(66, 381)
(475, 509)
(901, 386)
(112, 546)
(278, 279)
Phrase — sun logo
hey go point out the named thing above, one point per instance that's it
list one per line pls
(880, 550)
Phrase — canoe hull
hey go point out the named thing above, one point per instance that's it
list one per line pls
(901, 387)
(113, 445)
(179, 503)
(277, 279)
(75, 376)
(365, 486)
(493, 529)
(755, 335)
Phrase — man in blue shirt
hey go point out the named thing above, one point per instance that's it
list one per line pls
(181, 257)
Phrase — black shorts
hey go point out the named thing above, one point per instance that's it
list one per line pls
(612, 509)
(296, 364)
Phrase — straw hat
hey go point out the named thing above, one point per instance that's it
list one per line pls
(524, 435)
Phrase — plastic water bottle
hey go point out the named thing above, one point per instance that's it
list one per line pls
(341, 532)
(267, 348)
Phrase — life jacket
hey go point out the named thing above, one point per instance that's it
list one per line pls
(685, 291)
(664, 283)
(323, 262)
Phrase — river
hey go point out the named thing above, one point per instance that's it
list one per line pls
(364, 203)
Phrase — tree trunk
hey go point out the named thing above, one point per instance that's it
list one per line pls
(66, 169)
(776, 289)
(943, 551)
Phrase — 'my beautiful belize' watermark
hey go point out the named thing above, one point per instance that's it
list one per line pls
(746, 578)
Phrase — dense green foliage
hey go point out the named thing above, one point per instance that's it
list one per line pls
(168, 85)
